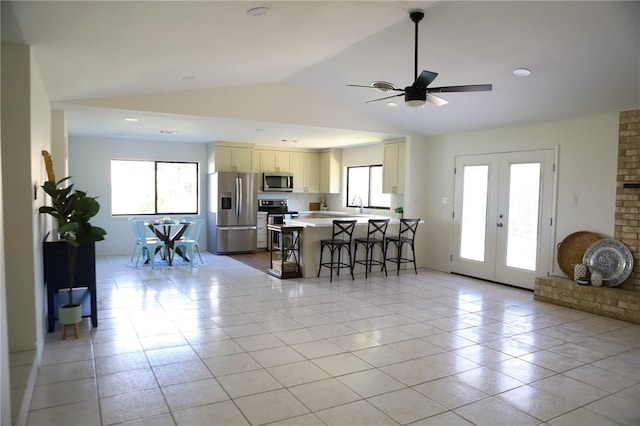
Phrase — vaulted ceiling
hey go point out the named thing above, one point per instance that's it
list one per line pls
(210, 71)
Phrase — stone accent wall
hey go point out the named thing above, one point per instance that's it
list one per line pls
(611, 302)
(627, 224)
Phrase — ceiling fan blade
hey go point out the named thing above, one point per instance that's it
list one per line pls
(386, 97)
(467, 88)
(436, 100)
(425, 78)
(360, 85)
(382, 89)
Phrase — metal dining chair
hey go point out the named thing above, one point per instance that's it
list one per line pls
(406, 237)
(340, 240)
(376, 232)
(143, 243)
(191, 240)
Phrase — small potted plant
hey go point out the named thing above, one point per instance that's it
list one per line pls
(72, 210)
(399, 212)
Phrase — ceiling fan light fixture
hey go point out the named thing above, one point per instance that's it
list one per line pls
(414, 97)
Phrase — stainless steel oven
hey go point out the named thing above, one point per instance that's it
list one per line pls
(277, 212)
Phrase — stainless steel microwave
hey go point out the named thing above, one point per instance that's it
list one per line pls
(277, 182)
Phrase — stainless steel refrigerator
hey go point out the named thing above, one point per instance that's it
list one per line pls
(232, 218)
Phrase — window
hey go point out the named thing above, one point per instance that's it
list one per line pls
(365, 182)
(153, 187)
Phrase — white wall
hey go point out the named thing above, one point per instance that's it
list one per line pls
(90, 163)
(586, 168)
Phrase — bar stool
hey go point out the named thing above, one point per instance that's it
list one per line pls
(340, 240)
(376, 231)
(406, 236)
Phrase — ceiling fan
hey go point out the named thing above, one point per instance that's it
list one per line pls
(419, 92)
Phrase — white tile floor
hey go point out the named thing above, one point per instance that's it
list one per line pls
(225, 344)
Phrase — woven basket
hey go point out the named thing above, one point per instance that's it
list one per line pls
(571, 250)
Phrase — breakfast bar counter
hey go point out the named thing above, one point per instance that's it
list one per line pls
(320, 228)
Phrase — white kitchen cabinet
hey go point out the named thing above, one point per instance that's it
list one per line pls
(233, 159)
(262, 230)
(393, 165)
(305, 167)
(275, 161)
(330, 171)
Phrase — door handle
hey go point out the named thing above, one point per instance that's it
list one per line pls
(499, 225)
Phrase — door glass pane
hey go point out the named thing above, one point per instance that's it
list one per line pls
(474, 212)
(524, 196)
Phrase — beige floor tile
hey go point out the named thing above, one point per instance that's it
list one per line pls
(581, 416)
(324, 394)
(64, 393)
(381, 355)
(86, 413)
(56, 373)
(444, 419)
(359, 413)
(132, 406)
(338, 365)
(247, 383)
(128, 381)
(172, 355)
(222, 413)
(297, 373)
(231, 364)
(450, 392)
(193, 394)
(270, 406)
(370, 382)
(488, 381)
(317, 349)
(570, 389)
(276, 356)
(466, 345)
(181, 372)
(406, 405)
(537, 402)
(494, 412)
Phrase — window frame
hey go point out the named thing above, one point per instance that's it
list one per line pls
(350, 198)
(155, 187)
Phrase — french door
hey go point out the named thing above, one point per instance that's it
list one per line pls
(503, 216)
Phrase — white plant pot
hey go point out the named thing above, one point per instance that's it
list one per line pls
(69, 314)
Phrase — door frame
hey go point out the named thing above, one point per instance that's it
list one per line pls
(554, 199)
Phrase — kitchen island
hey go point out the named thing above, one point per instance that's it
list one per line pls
(320, 228)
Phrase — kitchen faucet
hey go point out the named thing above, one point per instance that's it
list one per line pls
(358, 200)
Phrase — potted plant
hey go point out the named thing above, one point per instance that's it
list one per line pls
(72, 210)
(399, 211)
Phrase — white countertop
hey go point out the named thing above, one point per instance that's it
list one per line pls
(327, 222)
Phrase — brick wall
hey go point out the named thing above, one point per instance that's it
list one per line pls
(627, 225)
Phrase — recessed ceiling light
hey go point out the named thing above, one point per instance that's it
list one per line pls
(392, 104)
(169, 132)
(189, 77)
(522, 72)
(257, 11)
(131, 119)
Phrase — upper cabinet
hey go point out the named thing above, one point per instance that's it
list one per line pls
(231, 158)
(393, 168)
(306, 172)
(330, 171)
(275, 161)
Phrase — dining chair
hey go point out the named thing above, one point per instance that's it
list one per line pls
(376, 232)
(340, 240)
(192, 240)
(144, 244)
(406, 237)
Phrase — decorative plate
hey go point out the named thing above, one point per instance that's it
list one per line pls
(611, 258)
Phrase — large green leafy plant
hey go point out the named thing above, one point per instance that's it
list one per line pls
(72, 210)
